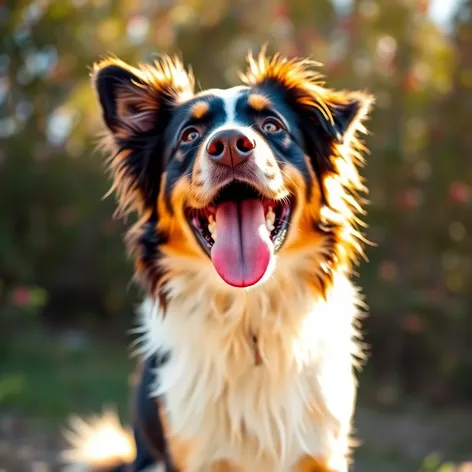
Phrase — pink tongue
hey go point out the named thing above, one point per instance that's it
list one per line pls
(243, 249)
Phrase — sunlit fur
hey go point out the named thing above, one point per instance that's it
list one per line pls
(199, 110)
(290, 407)
(294, 412)
(341, 180)
(100, 441)
(258, 101)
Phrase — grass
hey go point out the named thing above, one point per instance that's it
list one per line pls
(40, 376)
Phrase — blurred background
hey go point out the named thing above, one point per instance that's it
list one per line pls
(66, 300)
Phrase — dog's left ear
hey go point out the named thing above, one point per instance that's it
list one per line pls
(338, 113)
(347, 110)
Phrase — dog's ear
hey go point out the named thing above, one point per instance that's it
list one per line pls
(125, 98)
(136, 105)
(339, 114)
(347, 110)
(132, 99)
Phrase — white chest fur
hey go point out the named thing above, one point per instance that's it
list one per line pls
(264, 417)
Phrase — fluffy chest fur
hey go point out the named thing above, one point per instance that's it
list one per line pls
(298, 401)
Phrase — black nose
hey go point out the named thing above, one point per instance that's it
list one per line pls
(230, 147)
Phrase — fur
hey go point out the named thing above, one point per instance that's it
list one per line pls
(257, 378)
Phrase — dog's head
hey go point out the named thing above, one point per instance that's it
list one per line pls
(242, 182)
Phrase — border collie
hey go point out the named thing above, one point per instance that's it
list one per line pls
(248, 202)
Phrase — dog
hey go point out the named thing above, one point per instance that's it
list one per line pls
(248, 204)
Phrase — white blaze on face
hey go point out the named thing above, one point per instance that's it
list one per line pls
(230, 99)
(243, 249)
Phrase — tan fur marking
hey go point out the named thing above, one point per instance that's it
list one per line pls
(258, 101)
(225, 466)
(309, 464)
(199, 110)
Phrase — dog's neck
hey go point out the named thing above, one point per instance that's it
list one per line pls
(250, 323)
(201, 290)
(296, 281)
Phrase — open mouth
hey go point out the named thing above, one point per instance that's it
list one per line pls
(241, 231)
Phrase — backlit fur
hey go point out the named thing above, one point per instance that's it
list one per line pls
(222, 412)
(101, 441)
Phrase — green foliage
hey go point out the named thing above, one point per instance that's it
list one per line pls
(10, 387)
(56, 232)
(432, 463)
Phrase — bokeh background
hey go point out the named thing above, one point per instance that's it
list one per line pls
(65, 295)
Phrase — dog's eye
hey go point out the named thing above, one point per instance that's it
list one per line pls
(189, 134)
(271, 125)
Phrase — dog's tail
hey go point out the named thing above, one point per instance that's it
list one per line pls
(98, 444)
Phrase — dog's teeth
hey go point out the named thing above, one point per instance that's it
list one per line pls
(212, 227)
(270, 219)
(212, 232)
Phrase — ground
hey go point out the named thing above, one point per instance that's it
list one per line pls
(45, 377)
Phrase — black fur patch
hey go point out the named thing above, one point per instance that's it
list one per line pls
(150, 440)
(107, 82)
(143, 243)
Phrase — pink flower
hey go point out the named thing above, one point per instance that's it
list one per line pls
(21, 296)
(459, 192)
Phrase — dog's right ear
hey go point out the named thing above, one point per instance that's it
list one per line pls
(136, 104)
(124, 97)
(133, 99)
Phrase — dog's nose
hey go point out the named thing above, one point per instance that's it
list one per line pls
(230, 147)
